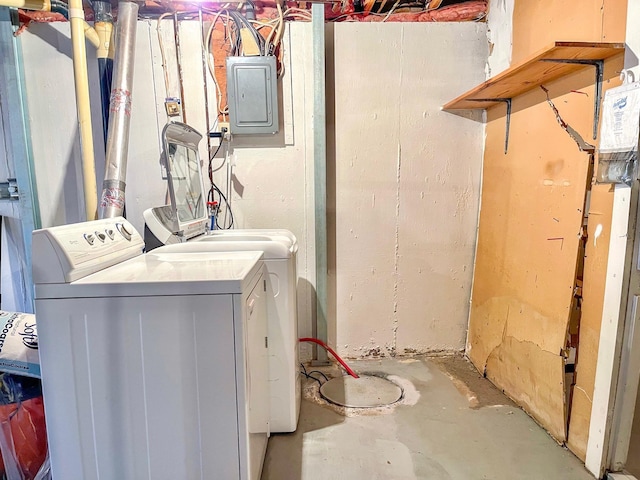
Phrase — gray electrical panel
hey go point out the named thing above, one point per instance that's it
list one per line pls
(252, 92)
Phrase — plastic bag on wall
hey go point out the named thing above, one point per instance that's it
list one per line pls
(618, 149)
(23, 436)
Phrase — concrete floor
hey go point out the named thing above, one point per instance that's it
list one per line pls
(458, 427)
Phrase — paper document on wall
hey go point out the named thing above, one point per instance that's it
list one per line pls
(618, 150)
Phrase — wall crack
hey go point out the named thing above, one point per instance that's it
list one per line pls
(396, 253)
(396, 256)
(582, 144)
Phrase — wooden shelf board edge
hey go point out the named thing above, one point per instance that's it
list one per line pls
(532, 72)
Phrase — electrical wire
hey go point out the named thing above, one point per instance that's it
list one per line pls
(275, 36)
(297, 10)
(176, 40)
(162, 53)
(242, 22)
(393, 9)
(318, 371)
(205, 83)
(211, 61)
(332, 352)
(213, 190)
(308, 375)
(224, 225)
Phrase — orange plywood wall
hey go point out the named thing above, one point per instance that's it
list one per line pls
(533, 200)
(541, 22)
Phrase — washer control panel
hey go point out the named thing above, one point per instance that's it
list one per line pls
(83, 248)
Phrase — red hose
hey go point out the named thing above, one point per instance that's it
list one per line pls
(330, 350)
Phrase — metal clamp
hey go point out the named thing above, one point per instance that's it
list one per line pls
(9, 190)
(599, 64)
(508, 125)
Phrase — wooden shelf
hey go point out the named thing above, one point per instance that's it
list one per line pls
(534, 71)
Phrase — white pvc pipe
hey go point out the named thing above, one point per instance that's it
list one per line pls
(43, 5)
(76, 18)
(91, 35)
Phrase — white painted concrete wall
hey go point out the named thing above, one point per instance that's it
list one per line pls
(407, 185)
(405, 176)
(500, 35)
(49, 83)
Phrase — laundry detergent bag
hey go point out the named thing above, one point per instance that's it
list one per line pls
(19, 344)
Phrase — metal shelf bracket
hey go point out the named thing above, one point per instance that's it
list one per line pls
(507, 101)
(599, 65)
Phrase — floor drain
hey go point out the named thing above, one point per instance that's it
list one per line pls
(368, 391)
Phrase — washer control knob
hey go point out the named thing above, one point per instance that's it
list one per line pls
(101, 236)
(89, 238)
(123, 231)
(110, 233)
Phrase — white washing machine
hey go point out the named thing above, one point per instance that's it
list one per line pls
(183, 226)
(154, 366)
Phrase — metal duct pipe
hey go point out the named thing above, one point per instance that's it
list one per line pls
(113, 187)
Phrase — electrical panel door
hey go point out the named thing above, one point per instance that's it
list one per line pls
(252, 91)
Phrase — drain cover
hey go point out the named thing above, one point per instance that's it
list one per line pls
(368, 391)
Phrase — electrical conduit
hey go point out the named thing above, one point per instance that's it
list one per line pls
(113, 188)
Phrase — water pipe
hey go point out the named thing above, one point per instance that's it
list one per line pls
(113, 188)
(42, 5)
(91, 35)
(54, 6)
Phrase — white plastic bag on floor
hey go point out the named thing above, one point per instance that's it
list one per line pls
(19, 344)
